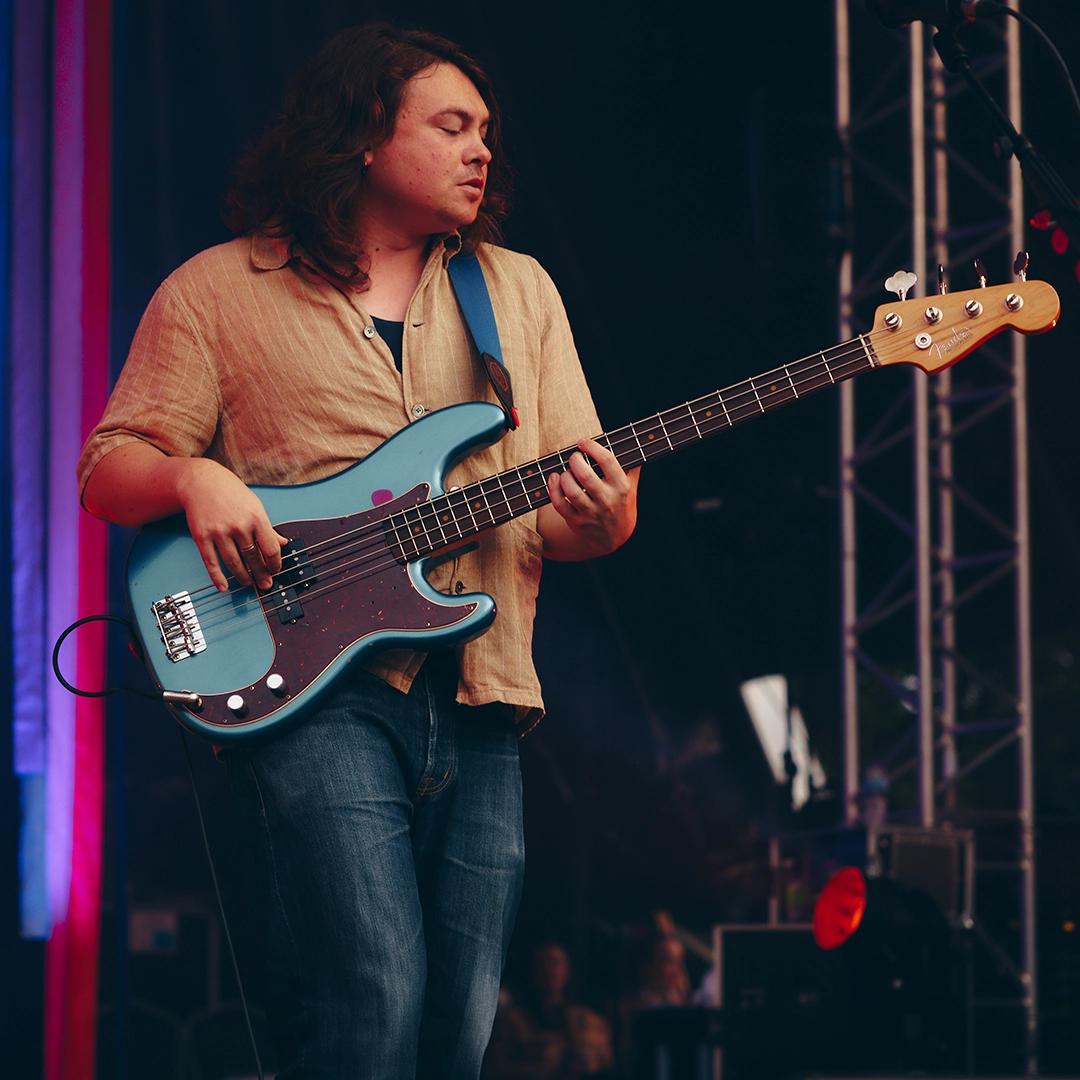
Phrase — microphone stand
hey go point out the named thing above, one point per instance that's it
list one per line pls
(1043, 179)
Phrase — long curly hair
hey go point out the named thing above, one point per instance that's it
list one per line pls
(304, 177)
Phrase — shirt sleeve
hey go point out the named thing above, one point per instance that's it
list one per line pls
(167, 393)
(565, 407)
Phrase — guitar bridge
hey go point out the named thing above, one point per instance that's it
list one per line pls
(179, 626)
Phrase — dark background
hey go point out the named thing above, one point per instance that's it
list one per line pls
(674, 175)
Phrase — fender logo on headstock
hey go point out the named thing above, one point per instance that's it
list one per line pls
(959, 335)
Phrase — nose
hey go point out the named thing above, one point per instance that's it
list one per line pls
(478, 153)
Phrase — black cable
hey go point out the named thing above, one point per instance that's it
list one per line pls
(156, 696)
(1033, 25)
(221, 905)
(110, 690)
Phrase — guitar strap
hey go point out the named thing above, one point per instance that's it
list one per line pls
(470, 288)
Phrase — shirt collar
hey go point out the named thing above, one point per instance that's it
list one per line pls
(451, 245)
(269, 252)
(274, 252)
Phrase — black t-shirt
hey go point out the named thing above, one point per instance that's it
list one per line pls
(393, 333)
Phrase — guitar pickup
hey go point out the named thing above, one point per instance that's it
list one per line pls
(296, 569)
(287, 607)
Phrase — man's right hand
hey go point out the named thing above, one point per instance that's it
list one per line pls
(137, 483)
(228, 524)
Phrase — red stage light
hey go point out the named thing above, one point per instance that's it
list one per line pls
(840, 908)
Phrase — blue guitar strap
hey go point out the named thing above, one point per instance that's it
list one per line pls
(473, 298)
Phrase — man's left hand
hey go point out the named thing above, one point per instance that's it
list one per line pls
(588, 515)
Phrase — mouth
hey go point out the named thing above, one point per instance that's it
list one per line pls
(476, 182)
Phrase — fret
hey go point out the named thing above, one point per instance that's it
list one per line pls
(641, 451)
(693, 420)
(777, 393)
(709, 414)
(478, 504)
(493, 487)
(417, 531)
(436, 518)
(446, 517)
(398, 526)
(464, 501)
(650, 440)
(531, 470)
(742, 410)
(548, 466)
(675, 423)
(791, 381)
(756, 395)
(518, 479)
(663, 428)
(827, 368)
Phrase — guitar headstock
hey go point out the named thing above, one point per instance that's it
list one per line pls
(936, 331)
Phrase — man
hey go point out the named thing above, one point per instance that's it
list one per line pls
(546, 1035)
(387, 826)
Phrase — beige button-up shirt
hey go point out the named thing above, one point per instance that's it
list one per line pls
(280, 377)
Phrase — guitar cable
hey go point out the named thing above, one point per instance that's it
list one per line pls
(158, 697)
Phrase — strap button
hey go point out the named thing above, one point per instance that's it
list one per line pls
(369, 332)
(418, 409)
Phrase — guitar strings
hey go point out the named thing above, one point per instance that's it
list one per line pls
(381, 548)
(733, 398)
(529, 493)
(430, 528)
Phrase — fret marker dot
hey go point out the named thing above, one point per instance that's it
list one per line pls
(651, 436)
(446, 517)
(708, 412)
(772, 389)
(477, 505)
(416, 529)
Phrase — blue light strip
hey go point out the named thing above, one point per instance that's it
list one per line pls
(26, 436)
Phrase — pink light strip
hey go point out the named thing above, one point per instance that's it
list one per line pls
(78, 566)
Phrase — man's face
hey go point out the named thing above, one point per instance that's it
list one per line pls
(551, 969)
(429, 176)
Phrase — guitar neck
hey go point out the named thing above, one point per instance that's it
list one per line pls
(464, 512)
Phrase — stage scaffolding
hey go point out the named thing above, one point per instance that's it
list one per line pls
(935, 574)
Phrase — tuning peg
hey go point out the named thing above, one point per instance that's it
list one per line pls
(980, 272)
(942, 288)
(901, 283)
(1020, 265)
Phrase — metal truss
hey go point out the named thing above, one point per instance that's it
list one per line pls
(935, 574)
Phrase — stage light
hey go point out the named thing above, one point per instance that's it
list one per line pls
(840, 908)
(892, 924)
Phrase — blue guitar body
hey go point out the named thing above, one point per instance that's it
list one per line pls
(258, 661)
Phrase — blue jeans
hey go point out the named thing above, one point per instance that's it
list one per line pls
(386, 832)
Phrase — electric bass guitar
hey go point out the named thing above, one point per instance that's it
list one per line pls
(235, 665)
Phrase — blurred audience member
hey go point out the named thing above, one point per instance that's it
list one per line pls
(663, 982)
(543, 1036)
(663, 979)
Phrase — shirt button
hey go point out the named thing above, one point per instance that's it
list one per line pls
(369, 331)
(418, 409)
